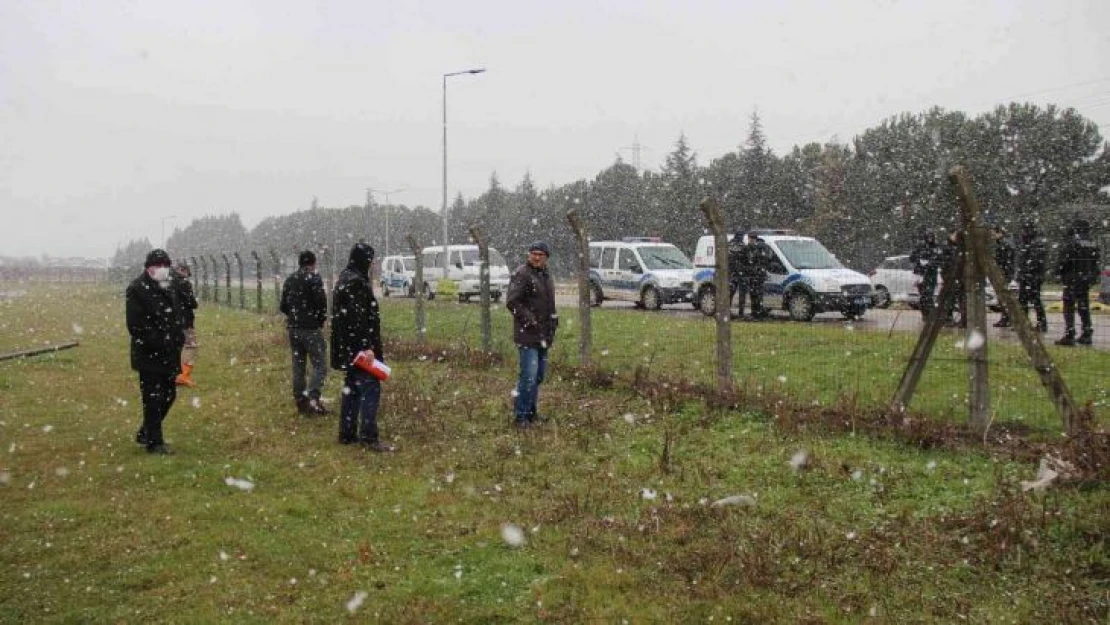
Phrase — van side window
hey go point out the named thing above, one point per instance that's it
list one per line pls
(595, 257)
(608, 257)
(628, 261)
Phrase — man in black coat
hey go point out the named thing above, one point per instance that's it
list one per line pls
(1078, 268)
(926, 259)
(184, 290)
(154, 321)
(1031, 265)
(754, 258)
(305, 305)
(356, 327)
(736, 282)
(531, 300)
(1004, 257)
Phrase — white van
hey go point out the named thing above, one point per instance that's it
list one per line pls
(398, 275)
(463, 265)
(804, 279)
(640, 269)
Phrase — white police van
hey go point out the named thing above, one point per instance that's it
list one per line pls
(803, 279)
(398, 275)
(463, 265)
(644, 270)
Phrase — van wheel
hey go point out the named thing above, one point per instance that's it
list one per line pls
(707, 300)
(650, 299)
(596, 296)
(800, 306)
(882, 297)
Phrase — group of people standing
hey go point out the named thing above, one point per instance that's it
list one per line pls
(160, 320)
(1077, 267)
(748, 259)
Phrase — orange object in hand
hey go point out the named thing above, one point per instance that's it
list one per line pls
(365, 361)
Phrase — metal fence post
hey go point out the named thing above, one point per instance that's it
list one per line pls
(421, 329)
(277, 280)
(258, 273)
(203, 279)
(215, 279)
(227, 275)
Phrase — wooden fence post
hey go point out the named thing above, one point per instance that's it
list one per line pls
(277, 280)
(418, 289)
(227, 276)
(483, 279)
(242, 285)
(712, 211)
(258, 274)
(585, 338)
(215, 279)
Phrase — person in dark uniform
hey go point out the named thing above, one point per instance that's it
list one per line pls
(736, 284)
(1031, 266)
(953, 255)
(356, 327)
(926, 261)
(753, 271)
(1078, 268)
(188, 301)
(305, 305)
(154, 321)
(1004, 257)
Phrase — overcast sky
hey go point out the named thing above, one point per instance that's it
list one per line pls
(117, 118)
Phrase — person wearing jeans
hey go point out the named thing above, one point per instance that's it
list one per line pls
(531, 300)
(355, 328)
(306, 309)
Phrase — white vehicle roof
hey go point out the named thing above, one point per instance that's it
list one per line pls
(633, 243)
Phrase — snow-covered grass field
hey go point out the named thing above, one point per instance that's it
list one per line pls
(605, 513)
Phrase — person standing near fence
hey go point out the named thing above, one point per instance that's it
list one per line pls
(305, 305)
(753, 268)
(531, 300)
(1004, 258)
(188, 301)
(1031, 264)
(926, 261)
(736, 283)
(154, 321)
(355, 328)
(1078, 268)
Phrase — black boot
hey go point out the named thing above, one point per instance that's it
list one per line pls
(1068, 339)
(1085, 338)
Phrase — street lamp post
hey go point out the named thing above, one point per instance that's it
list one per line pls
(445, 77)
(164, 228)
(386, 193)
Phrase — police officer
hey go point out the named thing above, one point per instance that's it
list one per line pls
(753, 269)
(1030, 272)
(1078, 268)
(1004, 257)
(926, 261)
(736, 284)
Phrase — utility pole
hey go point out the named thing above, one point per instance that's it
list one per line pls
(386, 193)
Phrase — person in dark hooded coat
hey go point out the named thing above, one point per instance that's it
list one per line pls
(1078, 268)
(154, 321)
(356, 327)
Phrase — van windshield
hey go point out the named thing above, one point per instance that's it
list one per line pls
(808, 254)
(664, 257)
(470, 258)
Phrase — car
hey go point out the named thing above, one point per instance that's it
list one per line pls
(463, 265)
(893, 281)
(645, 270)
(1104, 288)
(804, 279)
(989, 294)
(398, 275)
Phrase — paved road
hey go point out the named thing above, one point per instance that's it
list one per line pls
(876, 320)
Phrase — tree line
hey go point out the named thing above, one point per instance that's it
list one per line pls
(865, 199)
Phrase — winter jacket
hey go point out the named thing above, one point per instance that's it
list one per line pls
(355, 320)
(754, 258)
(1031, 261)
(735, 259)
(926, 259)
(154, 321)
(531, 300)
(304, 301)
(1004, 257)
(186, 299)
(1079, 261)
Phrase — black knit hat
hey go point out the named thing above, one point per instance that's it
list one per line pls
(540, 246)
(158, 258)
(306, 258)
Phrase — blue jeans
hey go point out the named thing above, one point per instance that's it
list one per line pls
(358, 415)
(533, 366)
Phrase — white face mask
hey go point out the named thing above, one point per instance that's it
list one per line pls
(161, 274)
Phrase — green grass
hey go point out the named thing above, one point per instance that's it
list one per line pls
(94, 530)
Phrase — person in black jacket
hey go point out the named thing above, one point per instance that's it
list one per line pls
(1003, 257)
(531, 300)
(754, 258)
(736, 282)
(305, 305)
(926, 260)
(1078, 268)
(1031, 266)
(188, 301)
(154, 321)
(356, 327)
